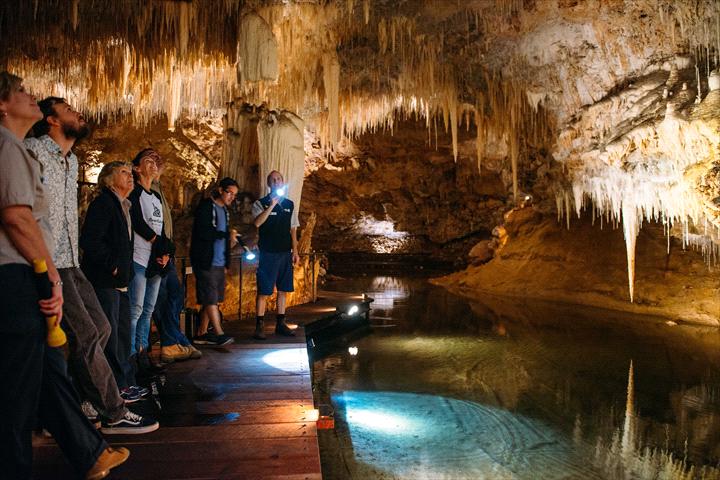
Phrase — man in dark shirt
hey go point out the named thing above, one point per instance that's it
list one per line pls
(210, 257)
(277, 230)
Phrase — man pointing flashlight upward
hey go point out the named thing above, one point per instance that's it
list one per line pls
(277, 230)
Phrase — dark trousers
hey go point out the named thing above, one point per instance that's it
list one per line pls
(116, 306)
(35, 384)
(88, 331)
(168, 307)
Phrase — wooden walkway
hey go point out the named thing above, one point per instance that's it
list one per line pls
(244, 411)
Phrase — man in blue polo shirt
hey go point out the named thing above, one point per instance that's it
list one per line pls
(277, 230)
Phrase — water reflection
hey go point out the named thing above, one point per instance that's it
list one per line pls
(539, 370)
(425, 436)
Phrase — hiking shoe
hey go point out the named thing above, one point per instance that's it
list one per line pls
(131, 423)
(205, 339)
(193, 352)
(108, 459)
(224, 340)
(281, 328)
(129, 395)
(173, 353)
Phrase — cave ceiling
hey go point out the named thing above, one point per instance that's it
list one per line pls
(620, 95)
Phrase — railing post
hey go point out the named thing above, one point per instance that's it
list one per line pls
(240, 289)
(184, 282)
(314, 278)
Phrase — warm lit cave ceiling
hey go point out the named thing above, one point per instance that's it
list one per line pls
(608, 105)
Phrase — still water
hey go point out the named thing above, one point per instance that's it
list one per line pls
(444, 388)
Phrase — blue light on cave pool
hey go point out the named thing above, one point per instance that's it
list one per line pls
(411, 435)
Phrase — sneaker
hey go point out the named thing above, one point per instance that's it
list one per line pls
(142, 391)
(90, 413)
(281, 328)
(205, 339)
(129, 395)
(224, 340)
(108, 459)
(130, 424)
(173, 353)
(193, 352)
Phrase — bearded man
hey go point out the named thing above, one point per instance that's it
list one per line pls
(88, 327)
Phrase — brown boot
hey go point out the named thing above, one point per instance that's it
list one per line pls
(108, 459)
(259, 327)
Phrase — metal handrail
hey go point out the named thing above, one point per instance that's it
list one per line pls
(187, 270)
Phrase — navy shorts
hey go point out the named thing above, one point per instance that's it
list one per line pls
(274, 269)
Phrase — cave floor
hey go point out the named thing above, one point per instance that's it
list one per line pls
(241, 411)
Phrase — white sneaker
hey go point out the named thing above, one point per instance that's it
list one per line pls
(89, 411)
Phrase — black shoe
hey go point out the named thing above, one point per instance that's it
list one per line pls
(259, 334)
(130, 424)
(205, 339)
(281, 328)
(224, 340)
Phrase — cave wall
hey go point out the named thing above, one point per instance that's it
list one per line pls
(535, 256)
(401, 192)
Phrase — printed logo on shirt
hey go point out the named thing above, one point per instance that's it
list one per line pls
(156, 211)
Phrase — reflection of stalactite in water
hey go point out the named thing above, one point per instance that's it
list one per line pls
(623, 457)
(628, 437)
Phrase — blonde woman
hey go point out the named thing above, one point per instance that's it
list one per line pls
(107, 244)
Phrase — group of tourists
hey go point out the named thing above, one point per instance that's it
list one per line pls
(109, 280)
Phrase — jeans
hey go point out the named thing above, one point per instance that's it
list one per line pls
(117, 309)
(35, 384)
(88, 332)
(143, 293)
(167, 309)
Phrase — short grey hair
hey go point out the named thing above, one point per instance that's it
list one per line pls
(105, 178)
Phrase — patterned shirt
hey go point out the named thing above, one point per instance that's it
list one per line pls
(60, 175)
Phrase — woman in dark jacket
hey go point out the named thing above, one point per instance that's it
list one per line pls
(107, 243)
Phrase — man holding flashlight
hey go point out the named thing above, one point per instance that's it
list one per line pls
(277, 230)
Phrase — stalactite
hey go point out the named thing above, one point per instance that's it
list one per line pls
(281, 148)
(241, 155)
(257, 50)
(74, 14)
(331, 81)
